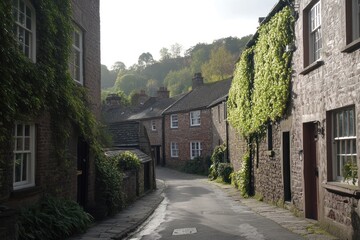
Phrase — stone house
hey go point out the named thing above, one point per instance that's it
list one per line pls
(189, 129)
(308, 160)
(132, 136)
(33, 168)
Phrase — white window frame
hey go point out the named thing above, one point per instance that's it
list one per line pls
(77, 49)
(25, 27)
(355, 19)
(174, 121)
(315, 35)
(153, 125)
(174, 149)
(20, 151)
(195, 119)
(344, 142)
(195, 149)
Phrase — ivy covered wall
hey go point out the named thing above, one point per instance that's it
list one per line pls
(31, 90)
(260, 90)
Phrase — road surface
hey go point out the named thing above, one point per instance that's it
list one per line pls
(193, 208)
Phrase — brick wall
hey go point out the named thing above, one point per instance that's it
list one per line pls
(218, 125)
(184, 134)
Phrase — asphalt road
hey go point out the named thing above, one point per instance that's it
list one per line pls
(195, 209)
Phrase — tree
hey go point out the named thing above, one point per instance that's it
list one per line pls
(145, 59)
(164, 54)
(152, 87)
(220, 66)
(198, 58)
(107, 77)
(130, 82)
(178, 81)
(118, 67)
(175, 50)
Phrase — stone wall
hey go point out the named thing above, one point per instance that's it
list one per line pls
(331, 86)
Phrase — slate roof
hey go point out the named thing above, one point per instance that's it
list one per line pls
(201, 97)
(152, 108)
(125, 134)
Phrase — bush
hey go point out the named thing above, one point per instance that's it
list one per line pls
(198, 165)
(128, 161)
(224, 170)
(109, 181)
(52, 218)
(218, 156)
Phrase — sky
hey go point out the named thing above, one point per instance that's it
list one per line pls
(132, 27)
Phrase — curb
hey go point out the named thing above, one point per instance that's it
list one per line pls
(158, 192)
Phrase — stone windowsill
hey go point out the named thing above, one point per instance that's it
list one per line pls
(351, 47)
(312, 67)
(342, 188)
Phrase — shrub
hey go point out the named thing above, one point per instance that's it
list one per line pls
(218, 156)
(52, 218)
(128, 161)
(198, 165)
(224, 170)
(109, 180)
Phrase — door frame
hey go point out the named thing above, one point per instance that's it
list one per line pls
(310, 171)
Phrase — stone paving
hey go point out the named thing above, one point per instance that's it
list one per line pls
(307, 228)
(125, 222)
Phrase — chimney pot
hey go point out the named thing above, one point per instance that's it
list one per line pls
(197, 80)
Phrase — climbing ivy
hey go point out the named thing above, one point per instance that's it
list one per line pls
(45, 88)
(261, 84)
(260, 88)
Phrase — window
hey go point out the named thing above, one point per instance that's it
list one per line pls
(174, 149)
(195, 118)
(344, 136)
(174, 123)
(195, 149)
(24, 156)
(315, 32)
(76, 58)
(153, 125)
(25, 27)
(352, 20)
(219, 113)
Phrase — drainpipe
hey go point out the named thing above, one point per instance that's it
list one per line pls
(163, 141)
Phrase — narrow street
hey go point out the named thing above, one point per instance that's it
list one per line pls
(196, 209)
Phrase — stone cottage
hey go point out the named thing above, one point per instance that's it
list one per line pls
(308, 159)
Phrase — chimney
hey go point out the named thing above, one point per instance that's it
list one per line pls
(261, 19)
(162, 93)
(143, 97)
(197, 80)
(113, 100)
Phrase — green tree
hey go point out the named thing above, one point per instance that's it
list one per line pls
(178, 81)
(152, 87)
(198, 58)
(220, 66)
(145, 59)
(175, 50)
(164, 54)
(118, 67)
(130, 82)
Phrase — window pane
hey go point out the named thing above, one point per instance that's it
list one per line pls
(77, 39)
(346, 125)
(28, 23)
(348, 146)
(27, 144)
(24, 167)
(353, 146)
(19, 144)
(338, 166)
(351, 123)
(17, 167)
(340, 124)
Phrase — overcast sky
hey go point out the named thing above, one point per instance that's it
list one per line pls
(132, 27)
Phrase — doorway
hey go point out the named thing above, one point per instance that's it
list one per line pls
(286, 166)
(311, 181)
(82, 171)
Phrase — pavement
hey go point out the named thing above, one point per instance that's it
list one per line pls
(128, 220)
